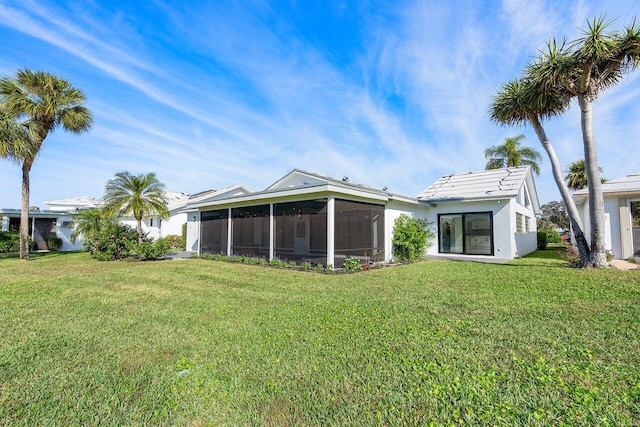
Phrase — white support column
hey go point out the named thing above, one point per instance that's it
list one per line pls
(229, 231)
(331, 216)
(272, 236)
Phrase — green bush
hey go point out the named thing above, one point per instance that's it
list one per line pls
(542, 240)
(9, 241)
(552, 235)
(352, 264)
(410, 238)
(150, 250)
(113, 242)
(54, 243)
(174, 241)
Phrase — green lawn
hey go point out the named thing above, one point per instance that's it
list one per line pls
(199, 342)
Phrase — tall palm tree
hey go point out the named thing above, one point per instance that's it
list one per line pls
(520, 102)
(136, 195)
(89, 222)
(40, 102)
(582, 70)
(512, 154)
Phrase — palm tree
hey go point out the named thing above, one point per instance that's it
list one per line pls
(512, 154)
(40, 102)
(16, 142)
(582, 70)
(520, 102)
(89, 222)
(136, 195)
(577, 175)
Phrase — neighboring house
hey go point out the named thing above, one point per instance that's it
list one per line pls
(622, 215)
(42, 225)
(308, 216)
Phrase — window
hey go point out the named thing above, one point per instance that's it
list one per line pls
(527, 224)
(519, 223)
(466, 233)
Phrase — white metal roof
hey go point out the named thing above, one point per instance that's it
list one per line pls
(627, 184)
(487, 184)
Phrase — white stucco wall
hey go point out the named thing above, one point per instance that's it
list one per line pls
(503, 241)
(193, 231)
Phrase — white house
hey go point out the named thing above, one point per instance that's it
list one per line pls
(622, 215)
(303, 215)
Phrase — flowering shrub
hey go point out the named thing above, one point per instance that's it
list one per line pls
(113, 242)
(571, 255)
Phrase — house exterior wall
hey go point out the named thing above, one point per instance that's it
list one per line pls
(612, 228)
(193, 232)
(525, 242)
(503, 242)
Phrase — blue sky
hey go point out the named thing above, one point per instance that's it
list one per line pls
(209, 94)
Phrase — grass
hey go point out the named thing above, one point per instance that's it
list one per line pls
(199, 342)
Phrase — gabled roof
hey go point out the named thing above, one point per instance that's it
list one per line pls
(174, 199)
(627, 184)
(301, 178)
(301, 183)
(482, 185)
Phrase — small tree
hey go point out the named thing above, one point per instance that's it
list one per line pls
(136, 195)
(410, 238)
(89, 222)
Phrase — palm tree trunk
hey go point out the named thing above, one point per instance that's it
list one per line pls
(24, 212)
(139, 220)
(570, 205)
(598, 257)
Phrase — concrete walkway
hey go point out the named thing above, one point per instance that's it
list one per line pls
(621, 264)
(178, 255)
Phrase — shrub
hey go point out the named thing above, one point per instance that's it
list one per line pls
(552, 235)
(352, 264)
(542, 240)
(9, 241)
(410, 238)
(150, 250)
(174, 241)
(571, 255)
(54, 243)
(113, 242)
(306, 265)
(184, 236)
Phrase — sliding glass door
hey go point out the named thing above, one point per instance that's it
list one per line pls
(466, 233)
